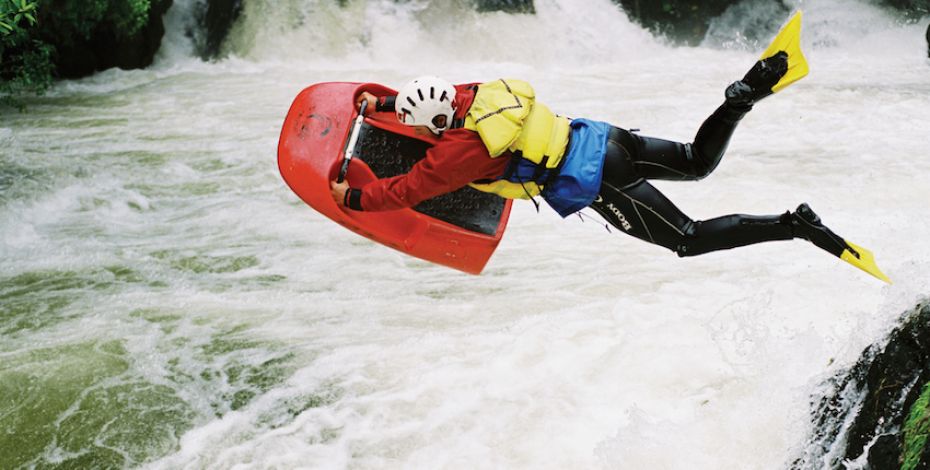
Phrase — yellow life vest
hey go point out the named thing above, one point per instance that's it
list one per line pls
(507, 116)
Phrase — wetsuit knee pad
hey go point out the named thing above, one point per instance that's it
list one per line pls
(688, 236)
(701, 167)
(684, 250)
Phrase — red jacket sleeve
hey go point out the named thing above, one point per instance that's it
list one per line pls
(456, 160)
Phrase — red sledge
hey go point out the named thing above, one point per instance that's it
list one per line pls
(459, 230)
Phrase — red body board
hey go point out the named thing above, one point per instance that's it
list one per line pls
(310, 153)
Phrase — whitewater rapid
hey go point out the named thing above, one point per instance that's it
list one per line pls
(169, 303)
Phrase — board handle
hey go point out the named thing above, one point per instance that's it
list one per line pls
(353, 139)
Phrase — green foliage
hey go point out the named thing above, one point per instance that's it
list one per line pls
(12, 12)
(130, 16)
(34, 34)
(24, 63)
(28, 71)
(916, 430)
(76, 20)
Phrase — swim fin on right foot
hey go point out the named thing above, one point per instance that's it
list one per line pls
(807, 225)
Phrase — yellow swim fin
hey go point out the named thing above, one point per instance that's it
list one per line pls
(789, 40)
(864, 261)
(807, 224)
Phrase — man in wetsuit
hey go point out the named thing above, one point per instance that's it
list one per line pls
(578, 163)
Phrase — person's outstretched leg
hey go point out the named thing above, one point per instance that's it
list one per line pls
(629, 203)
(645, 213)
(655, 158)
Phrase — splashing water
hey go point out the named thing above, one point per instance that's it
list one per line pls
(167, 302)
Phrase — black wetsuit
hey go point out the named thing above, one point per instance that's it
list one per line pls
(630, 203)
(627, 201)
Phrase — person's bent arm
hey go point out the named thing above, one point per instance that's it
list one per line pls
(450, 165)
(424, 181)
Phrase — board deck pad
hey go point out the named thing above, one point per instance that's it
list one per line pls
(389, 154)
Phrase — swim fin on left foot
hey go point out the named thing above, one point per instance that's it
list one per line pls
(781, 64)
(806, 224)
(789, 41)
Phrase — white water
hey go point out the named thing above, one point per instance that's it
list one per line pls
(576, 348)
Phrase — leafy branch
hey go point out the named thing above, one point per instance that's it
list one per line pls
(12, 12)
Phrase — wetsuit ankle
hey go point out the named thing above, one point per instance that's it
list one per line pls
(786, 219)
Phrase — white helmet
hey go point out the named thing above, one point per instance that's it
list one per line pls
(426, 101)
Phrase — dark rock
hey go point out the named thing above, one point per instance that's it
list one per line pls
(885, 452)
(891, 377)
(106, 48)
(215, 18)
(910, 9)
(509, 6)
(684, 21)
(928, 40)
(865, 407)
(687, 21)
